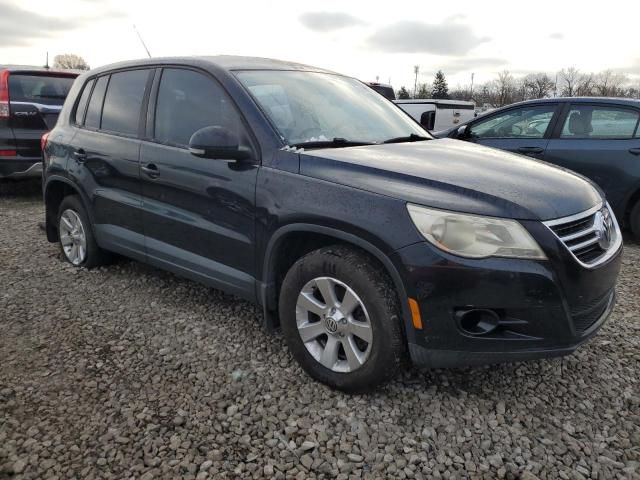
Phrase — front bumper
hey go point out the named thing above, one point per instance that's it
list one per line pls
(546, 308)
(17, 167)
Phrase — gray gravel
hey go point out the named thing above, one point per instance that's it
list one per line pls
(130, 372)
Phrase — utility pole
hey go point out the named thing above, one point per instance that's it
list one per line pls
(416, 69)
(471, 94)
(46, 65)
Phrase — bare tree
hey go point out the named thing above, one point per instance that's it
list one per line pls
(609, 84)
(585, 85)
(570, 77)
(70, 61)
(538, 85)
(505, 88)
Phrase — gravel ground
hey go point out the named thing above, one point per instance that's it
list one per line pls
(130, 372)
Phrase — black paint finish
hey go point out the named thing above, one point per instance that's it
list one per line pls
(227, 223)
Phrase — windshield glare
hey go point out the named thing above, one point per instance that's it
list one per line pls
(312, 106)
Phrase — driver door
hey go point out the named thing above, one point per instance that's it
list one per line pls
(199, 213)
(525, 129)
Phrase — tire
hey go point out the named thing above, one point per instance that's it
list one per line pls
(355, 279)
(75, 230)
(634, 220)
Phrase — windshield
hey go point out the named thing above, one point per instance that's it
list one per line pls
(316, 107)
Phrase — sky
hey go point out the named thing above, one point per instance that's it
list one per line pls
(365, 39)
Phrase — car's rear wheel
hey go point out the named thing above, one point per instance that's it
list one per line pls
(75, 235)
(341, 320)
(634, 220)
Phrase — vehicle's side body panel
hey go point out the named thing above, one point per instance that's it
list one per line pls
(199, 215)
(609, 162)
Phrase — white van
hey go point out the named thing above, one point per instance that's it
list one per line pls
(438, 115)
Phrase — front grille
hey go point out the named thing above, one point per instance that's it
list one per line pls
(591, 236)
(586, 314)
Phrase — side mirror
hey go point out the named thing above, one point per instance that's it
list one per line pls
(218, 143)
(463, 132)
(428, 120)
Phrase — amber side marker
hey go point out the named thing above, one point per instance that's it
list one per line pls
(415, 314)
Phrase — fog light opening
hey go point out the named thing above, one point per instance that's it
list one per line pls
(478, 321)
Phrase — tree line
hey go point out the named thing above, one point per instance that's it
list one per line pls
(508, 88)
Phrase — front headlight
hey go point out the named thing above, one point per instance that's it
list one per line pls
(474, 236)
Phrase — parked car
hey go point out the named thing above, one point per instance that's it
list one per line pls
(596, 137)
(30, 100)
(305, 191)
(383, 89)
(435, 114)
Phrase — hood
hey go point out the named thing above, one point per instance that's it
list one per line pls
(455, 175)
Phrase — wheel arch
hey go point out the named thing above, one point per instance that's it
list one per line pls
(55, 190)
(270, 284)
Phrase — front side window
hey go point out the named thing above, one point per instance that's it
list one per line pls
(122, 103)
(592, 121)
(313, 106)
(94, 110)
(526, 122)
(188, 101)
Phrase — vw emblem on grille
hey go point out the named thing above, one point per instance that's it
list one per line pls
(331, 325)
(603, 226)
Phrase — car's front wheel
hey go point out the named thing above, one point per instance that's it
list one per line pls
(77, 242)
(341, 319)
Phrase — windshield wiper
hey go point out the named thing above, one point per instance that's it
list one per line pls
(335, 143)
(408, 138)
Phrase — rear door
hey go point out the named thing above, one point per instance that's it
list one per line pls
(35, 100)
(602, 142)
(106, 156)
(523, 129)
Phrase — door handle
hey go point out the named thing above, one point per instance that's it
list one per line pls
(80, 155)
(527, 150)
(634, 151)
(151, 170)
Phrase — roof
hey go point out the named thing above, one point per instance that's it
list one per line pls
(225, 62)
(431, 101)
(609, 100)
(33, 68)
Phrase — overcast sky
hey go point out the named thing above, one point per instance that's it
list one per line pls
(364, 39)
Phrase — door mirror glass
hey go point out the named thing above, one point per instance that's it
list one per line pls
(428, 119)
(219, 143)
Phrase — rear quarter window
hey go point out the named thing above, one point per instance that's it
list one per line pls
(34, 88)
(82, 103)
(94, 110)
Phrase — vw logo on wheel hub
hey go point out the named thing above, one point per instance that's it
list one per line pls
(331, 325)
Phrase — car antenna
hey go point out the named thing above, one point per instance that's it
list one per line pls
(141, 40)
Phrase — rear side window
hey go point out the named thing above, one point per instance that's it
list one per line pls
(92, 120)
(188, 101)
(82, 103)
(594, 121)
(122, 103)
(34, 88)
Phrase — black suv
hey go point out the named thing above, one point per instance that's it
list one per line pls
(30, 100)
(363, 238)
